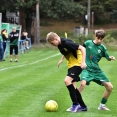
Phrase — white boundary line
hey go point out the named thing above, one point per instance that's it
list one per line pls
(3, 69)
(45, 58)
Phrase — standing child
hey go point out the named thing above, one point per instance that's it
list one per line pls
(13, 36)
(75, 56)
(95, 50)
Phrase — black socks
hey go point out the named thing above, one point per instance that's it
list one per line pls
(79, 98)
(72, 92)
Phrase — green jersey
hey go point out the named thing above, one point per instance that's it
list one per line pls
(94, 53)
(13, 36)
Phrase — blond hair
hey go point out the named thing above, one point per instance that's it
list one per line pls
(50, 36)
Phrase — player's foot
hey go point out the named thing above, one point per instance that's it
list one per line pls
(103, 107)
(82, 109)
(70, 109)
(74, 108)
(16, 60)
(10, 60)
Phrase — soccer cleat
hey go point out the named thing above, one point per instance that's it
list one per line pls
(10, 60)
(103, 107)
(82, 109)
(70, 109)
(74, 108)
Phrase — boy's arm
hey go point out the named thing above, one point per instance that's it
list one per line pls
(83, 50)
(109, 58)
(61, 60)
(16, 35)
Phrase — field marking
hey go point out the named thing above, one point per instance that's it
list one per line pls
(3, 69)
(44, 59)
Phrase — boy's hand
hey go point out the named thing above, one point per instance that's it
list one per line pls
(59, 63)
(112, 58)
(83, 65)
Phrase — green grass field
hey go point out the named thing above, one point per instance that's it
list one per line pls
(26, 86)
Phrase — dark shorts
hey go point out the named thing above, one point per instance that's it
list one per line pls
(74, 73)
(15, 48)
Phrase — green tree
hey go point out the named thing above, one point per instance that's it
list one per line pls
(101, 8)
(25, 6)
(48, 8)
(60, 8)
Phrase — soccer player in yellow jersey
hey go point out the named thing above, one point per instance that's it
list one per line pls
(75, 56)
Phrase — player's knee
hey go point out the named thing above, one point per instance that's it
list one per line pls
(66, 81)
(82, 84)
(110, 88)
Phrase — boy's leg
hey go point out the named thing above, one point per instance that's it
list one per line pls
(80, 101)
(23, 46)
(82, 85)
(106, 95)
(82, 107)
(71, 88)
(16, 53)
(102, 79)
(27, 45)
(108, 91)
(86, 78)
(11, 52)
(72, 91)
(79, 96)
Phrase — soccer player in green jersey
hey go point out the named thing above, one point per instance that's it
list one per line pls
(95, 50)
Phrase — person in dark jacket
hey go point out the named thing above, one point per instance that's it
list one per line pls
(5, 38)
(13, 36)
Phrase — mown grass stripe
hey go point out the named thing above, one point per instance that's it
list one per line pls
(25, 89)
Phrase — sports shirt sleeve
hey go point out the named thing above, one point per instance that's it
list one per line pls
(106, 54)
(71, 45)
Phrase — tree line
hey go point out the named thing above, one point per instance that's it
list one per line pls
(105, 11)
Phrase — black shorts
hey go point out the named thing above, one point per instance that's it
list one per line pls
(74, 73)
(14, 47)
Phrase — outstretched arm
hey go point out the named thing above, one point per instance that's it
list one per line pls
(83, 64)
(61, 60)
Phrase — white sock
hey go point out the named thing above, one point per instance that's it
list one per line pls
(102, 104)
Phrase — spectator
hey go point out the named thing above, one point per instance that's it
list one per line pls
(25, 37)
(1, 49)
(5, 38)
(13, 36)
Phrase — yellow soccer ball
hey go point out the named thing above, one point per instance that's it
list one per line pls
(51, 106)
